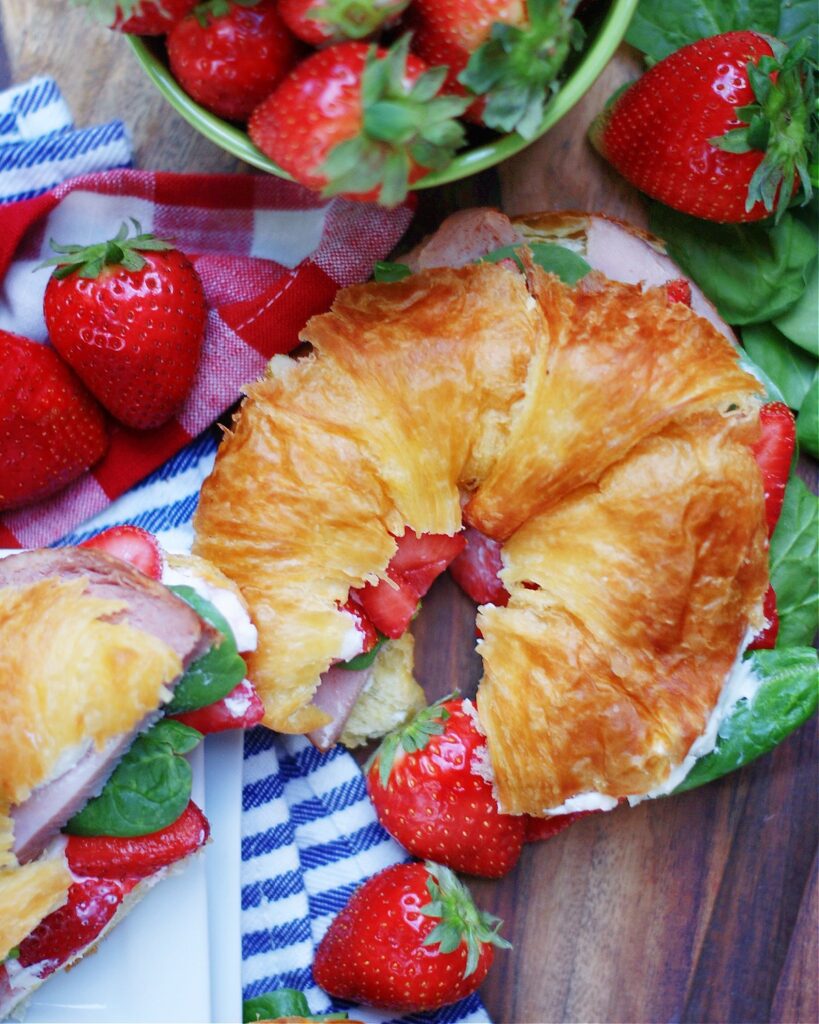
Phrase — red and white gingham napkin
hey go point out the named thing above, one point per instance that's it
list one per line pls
(270, 255)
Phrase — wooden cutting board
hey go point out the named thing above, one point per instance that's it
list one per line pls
(701, 907)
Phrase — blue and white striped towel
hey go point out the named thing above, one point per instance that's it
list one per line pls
(309, 833)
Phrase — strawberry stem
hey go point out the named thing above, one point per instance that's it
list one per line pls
(356, 19)
(517, 67)
(461, 921)
(402, 124)
(89, 260)
(413, 736)
(781, 123)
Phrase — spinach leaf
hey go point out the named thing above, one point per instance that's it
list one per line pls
(807, 426)
(751, 272)
(772, 392)
(798, 19)
(800, 323)
(660, 27)
(149, 788)
(787, 698)
(568, 266)
(284, 1002)
(385, 272)
(794, 559)
(790, 367)
(361, 661)
(216, 673)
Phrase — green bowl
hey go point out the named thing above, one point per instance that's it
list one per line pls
(600, 46)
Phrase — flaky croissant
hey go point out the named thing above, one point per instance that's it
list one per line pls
(601, 432)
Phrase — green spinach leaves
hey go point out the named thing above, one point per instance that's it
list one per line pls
(149, 788)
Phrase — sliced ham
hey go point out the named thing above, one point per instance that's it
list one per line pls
(624, 254)
(153, 609)
(337, 693)
(462, 238)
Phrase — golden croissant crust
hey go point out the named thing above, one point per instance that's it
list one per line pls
(599, 430)
(69, 675)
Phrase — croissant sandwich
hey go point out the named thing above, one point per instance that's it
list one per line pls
(593, 435)
(107, 678)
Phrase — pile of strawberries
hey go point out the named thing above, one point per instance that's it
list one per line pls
(126, 319)
(344, 114)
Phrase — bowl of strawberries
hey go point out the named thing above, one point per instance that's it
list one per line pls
(372, 98)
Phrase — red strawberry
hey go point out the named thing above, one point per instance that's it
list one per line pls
(421, 560)
(507, 51)
(111, 857)
(242, 708)
(476, 569)
(718, 129)
(363, 624)
(92, 902)
(773, 453)
(364, 123)
(538, 829)
(230, 54)
(51, 429)
(131, 544)
(679, 290)
(766, 638)
(319, 22)
(139, 17)
(390, 604)
(129, 316)
(427, 795)
(410, 939)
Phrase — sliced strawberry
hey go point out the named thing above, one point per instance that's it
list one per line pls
(92, 902)
(766, 638)
(131, 544)
(421, 560)
(476, 569)
(679, 290)
(112, 857)
(363, 624)
(538, 829)
(773, 453)
(390, 606)
(242, 708)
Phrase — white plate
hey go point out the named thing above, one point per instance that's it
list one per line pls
(176, 958)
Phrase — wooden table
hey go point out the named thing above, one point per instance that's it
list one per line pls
(698, 908)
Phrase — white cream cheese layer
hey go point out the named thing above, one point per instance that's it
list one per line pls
(225, 602)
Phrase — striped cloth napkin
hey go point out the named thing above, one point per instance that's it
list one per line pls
(309, 834)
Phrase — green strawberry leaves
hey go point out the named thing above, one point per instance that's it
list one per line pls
(356, 19)
(517, 67)
(284, 1002)
(460, 919)
(402, 124)
(89, 260)
(413, 736)
(779, 124)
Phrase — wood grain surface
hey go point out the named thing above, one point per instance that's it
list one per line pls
(701, 907)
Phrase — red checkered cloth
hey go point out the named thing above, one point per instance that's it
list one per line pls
(270, 255)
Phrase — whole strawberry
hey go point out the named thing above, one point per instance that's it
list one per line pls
(139, 17)
(427, 793)
(363, 123)
(410, 939)
(508, 52)
(320, 22)
(229, 54)
(129, 317)
(721, 129)
(51, 429)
